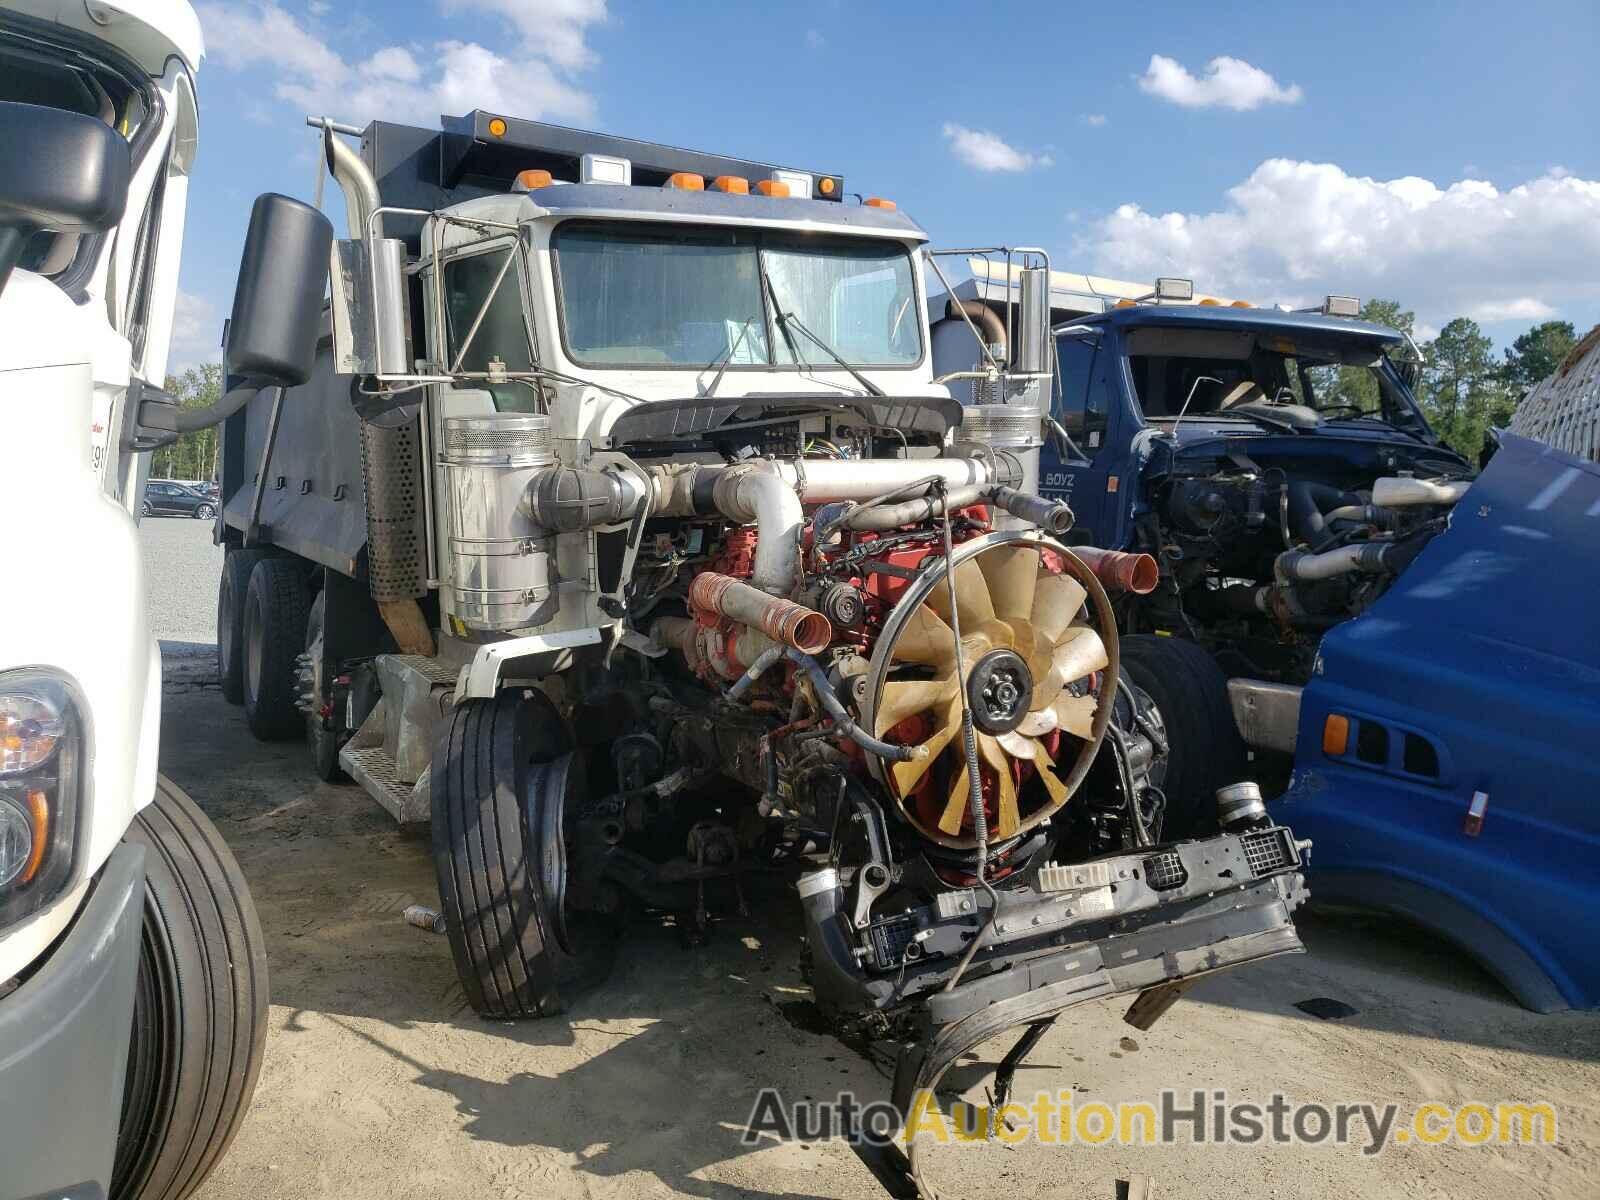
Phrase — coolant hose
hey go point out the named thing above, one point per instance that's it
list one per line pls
(842, 720)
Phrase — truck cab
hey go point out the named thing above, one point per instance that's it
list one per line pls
(132, 972)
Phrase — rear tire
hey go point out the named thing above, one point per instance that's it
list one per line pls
(1205, 749)
(236, 568)
(502, 931)
(200, 1008)
(275, 611)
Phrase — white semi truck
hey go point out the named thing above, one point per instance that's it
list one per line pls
(132, 969)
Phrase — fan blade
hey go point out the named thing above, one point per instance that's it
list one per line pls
(1037, 722)
(1075, 715)
(1079, 652)
(1016, 744)
(904, 699)
(925, 639)
(1008, 818)
(960, 803)
(973, 603)
(989, 635)
(1056, 600)
(1047, 776)
(1011, 572)
(908, 774)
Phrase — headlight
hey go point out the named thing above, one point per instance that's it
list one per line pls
(42, 752)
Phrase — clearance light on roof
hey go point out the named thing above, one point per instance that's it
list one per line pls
(731, 184)
(1341, 306)
(771, 187)
(497, 127)
(686, 181)
(605, 168)
(879, 202)
(1209, 302)
(1241, 304)
(531, 181)
(799, 182)
(826, 186)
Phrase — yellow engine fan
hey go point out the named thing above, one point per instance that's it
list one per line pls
(1033, 639)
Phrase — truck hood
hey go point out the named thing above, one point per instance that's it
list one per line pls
(1385, 448)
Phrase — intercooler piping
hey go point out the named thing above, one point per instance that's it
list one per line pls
(1400, 492)
(783, 621)
(1369, 558)
(1118, 571)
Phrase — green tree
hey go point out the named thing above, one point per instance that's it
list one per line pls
(1462, 385)
(1536, 354)
(1356, 385)
(193, 456)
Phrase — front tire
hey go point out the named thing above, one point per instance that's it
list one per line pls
(276, 609)
(204, 512)
(200, 1007)
(1205, 749)
(503, 931)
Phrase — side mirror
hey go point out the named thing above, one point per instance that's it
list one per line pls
(1410, 373)
(61, 172)
(277, 303)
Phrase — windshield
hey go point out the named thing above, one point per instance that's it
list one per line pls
(660, 296)
(1223, 373)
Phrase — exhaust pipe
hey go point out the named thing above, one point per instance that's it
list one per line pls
(783, 621)
(1121, 572)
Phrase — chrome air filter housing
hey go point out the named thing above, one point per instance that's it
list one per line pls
(500, 567)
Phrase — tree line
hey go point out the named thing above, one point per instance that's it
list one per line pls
(1465, 389)
(194, 455)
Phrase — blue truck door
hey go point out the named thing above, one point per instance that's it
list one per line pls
(1082, 406)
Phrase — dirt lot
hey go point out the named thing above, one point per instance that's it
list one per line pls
(379, 1081)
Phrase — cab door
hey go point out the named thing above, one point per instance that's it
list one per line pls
(1080, 474)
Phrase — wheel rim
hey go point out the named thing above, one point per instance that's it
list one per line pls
(549, 788)
(254, 650)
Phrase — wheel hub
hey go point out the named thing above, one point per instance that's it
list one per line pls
(999, 690)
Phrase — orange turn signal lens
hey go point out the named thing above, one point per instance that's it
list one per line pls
(1241, 304)
(497, 126)
(1210, 302)
(773, 187)
(1336, 735)
(826, 186)
(879, 202)
(531, 180)
(732, 184)
(39, 815)
(686, 181)
(1123, 304)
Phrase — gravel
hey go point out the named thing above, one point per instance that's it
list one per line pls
(182, 570)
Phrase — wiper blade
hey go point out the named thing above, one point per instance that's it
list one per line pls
(784, 320)
(726, 357)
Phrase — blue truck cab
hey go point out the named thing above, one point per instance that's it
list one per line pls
(1405, 654)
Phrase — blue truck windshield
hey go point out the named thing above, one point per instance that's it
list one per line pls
(654, 297)
(1227, 370)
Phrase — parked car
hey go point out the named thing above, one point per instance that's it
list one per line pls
(165, 497)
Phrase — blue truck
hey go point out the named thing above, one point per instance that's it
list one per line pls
(1404, 652)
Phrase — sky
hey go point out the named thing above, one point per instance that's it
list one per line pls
(1440, 154)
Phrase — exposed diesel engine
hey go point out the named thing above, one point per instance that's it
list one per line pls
(1261, 560)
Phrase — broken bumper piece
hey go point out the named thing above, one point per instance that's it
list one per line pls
(1146, 925)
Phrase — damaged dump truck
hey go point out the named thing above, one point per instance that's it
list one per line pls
(614, 521)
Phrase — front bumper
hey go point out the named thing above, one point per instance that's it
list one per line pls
(64, 1046)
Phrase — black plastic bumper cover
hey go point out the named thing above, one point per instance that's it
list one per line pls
(64, 1045)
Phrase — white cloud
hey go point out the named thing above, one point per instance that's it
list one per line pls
(985, 151)
(1514, 308)
(1094, 120)
(815, 40)
(1226, 83)
(196, 333)
(416, 84)
(1294, 231)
